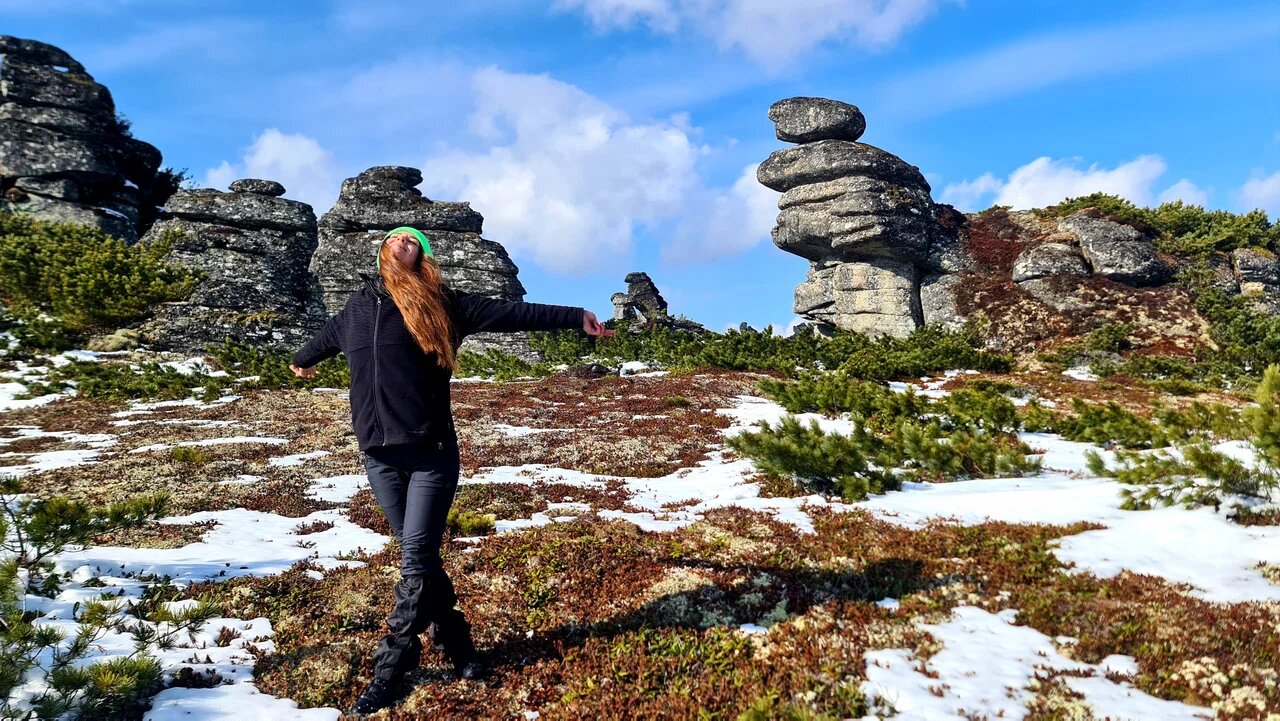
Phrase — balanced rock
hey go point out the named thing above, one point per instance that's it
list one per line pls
(1048, 259)
(386, 197)
(269, 188)
(252, 252)
(64, 156)
(1117, 251)
(863, 217)
(807, 120)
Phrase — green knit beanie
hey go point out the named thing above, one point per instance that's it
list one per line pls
(422, 240)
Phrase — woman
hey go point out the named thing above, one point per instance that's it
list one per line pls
(400, 335)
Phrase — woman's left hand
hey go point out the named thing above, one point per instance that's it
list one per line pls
(592, 326)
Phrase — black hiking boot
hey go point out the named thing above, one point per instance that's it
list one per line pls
(453, 636)
(379, 695)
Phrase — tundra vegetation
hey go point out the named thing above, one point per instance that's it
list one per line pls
(593, 617)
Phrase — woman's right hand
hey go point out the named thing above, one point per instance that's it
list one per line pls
(303, 372)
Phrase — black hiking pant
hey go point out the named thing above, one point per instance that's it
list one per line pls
(415, 485)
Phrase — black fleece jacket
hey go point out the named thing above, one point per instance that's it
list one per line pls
(399, 394)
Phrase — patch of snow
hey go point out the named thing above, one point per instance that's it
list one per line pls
(631, 368)
(234, 702)
(518, 431)
(296, 459)
(261, 544)
(1080, 374)
(984, 668)
(46, 461)
(337, 489)
(213, 442)
(197, 365)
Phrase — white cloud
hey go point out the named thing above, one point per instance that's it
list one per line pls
(296, 161)
(566, 179)
(969, 193)
(771, 33)
(723, 223)
(1045, 181)
(1043, 61)
(1186, 191)
(1261, 192)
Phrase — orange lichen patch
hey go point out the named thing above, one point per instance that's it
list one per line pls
(66, 414)
(611, 426)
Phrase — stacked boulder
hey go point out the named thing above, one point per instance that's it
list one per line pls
(386, 197)
(251, 248)
(64, 155)
(643, 306)
(862, 217)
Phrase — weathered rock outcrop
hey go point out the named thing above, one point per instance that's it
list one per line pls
(252, 248)
(1048, 259)
(1117, 251)
(862, 217)
(64, 155)
(386, 197)
(642, 306)
(1257, 274)
(885, 259)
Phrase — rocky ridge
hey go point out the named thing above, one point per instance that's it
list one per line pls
(65, 155)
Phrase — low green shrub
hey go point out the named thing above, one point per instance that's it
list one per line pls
(119, 382)
(980, 411)
(1184, 229)
(867, 461)
(258, 367)
(84, 278)
(466, 523)
(1109, 424)
(829, 463)
(33, 532)
(1198, 475)
(190, 456)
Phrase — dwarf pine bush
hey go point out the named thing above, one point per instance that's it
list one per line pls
(1184, 229)
(828, 463)
(33, 532)
(866, 462)
(81, 277)
(1198, 475)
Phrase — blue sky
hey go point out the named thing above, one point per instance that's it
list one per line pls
(599, 137)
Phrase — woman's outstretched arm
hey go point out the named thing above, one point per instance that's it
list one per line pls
(480, 314)
(323, 345)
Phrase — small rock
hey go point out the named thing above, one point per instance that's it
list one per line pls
(807, 120)
(1117, 251)
(1048, 259)
(258, 187)
(123, 339)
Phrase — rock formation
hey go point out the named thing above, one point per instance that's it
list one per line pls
(385, 197)
(862, 217)
(64, 154)
(885, 259)
(642, 306)
(252, 248)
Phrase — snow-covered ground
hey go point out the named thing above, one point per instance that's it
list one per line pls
(986, 663)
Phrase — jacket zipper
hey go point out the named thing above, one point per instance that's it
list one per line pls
(377, 413)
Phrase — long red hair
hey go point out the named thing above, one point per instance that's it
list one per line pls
(418, 292)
